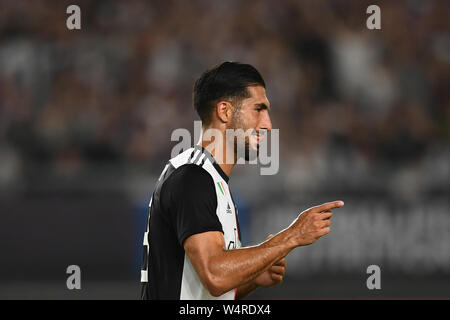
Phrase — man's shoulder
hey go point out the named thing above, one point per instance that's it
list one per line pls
(189, 171)
(189, 176)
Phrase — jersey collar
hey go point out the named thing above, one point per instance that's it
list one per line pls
(213, 161)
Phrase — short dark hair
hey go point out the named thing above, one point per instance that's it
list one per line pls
(228, 80)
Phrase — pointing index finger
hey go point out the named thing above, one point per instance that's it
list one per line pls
(328, 206)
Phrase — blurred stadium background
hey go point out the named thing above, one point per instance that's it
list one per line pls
(364, 116)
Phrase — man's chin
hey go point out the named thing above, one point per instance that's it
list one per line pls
(251, 152)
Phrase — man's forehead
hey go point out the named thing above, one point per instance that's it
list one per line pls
(257, 95)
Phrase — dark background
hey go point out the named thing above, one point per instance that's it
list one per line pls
(86, 117)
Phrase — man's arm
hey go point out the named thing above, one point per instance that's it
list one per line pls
(222, 270)
(245, 289)
(273, 276)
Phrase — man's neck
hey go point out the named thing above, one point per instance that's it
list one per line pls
(221, 159)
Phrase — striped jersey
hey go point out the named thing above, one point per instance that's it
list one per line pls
(191, 196)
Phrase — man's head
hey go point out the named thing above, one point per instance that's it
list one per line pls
(232, 96)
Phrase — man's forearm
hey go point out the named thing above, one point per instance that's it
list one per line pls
(238, 268)
(245, 289)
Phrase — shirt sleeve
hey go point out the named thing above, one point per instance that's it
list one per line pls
(190, 198)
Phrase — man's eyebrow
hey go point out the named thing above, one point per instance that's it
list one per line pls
(262, 105)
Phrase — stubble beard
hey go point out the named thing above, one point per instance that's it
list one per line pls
(238, 147)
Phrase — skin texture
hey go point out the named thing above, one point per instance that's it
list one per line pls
(264, 265)
(252, 114)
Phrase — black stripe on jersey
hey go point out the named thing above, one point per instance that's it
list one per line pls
(190, 157)
(220, 171)
(145, 258)
(200, 160)
(197, 157)
(213, 161)
(203, 161)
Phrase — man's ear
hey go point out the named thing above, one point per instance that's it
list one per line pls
(224, 111)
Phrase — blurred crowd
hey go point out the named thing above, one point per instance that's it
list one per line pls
(112, 92)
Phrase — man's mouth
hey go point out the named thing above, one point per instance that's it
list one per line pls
(258, 136)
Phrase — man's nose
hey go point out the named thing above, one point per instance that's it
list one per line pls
(266, 123)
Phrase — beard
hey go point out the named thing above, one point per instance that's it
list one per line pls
(242, 147)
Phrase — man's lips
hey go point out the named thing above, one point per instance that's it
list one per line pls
(258, 137)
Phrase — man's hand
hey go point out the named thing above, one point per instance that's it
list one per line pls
(274, 275)
(313, 223)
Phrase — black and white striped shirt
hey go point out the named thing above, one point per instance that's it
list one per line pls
(191, 196)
